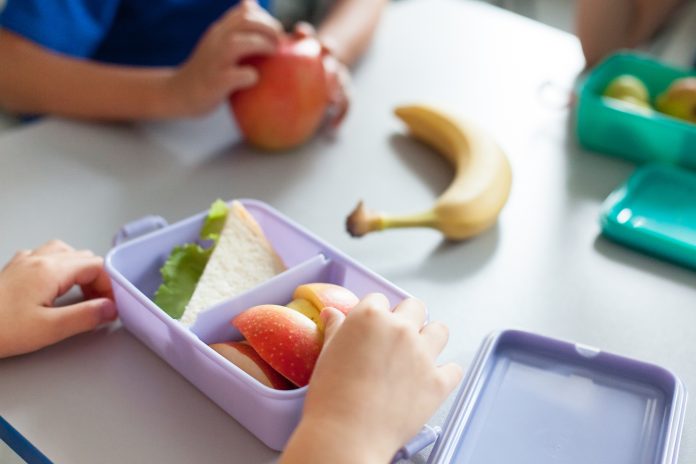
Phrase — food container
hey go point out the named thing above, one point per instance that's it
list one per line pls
(616, 130)
(134, 264)
(529, 399)
(655, 211)
(526, 398)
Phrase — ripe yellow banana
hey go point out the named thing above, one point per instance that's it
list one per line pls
(472, 201)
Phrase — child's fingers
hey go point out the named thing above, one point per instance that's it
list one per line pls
(371, 302)
(332, 318)
(86, 271)
(258, 25)
(435, 335)
(52, 246)
(244, 44)
(304, 29)
(20, 255)
(81, 317)
(252, 20)
(241, 77)
(413, 310)
(261, 21)
(449, 376)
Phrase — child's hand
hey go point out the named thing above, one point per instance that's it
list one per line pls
(29, 285)
(212, 72)
(375, 384)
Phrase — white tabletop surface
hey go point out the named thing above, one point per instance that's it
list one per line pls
(104, 397)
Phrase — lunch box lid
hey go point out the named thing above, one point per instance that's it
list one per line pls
(530, 399)
(655, 211)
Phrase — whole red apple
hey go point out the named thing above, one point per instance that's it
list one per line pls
(287, 340)
(287, 105)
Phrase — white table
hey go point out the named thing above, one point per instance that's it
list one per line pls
(103, 397)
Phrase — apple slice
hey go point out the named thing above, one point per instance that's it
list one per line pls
(322, 295)
(287, 340)
(244, 356)
(305, 307)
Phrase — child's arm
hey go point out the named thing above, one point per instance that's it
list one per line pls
(39, 81)
(29, 285)
(349, 27)
(604, 26)
(374, 386)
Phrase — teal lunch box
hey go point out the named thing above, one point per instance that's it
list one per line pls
(607, 126)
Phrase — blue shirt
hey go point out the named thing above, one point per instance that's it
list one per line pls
(131, 32)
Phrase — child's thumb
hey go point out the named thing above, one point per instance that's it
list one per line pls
(332, 318)
(84, 316)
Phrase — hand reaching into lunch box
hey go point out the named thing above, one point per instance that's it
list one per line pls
(374, 385)
(29, 286)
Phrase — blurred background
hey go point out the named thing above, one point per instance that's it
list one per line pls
(556, 13)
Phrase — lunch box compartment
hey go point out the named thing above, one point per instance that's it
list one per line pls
(134, 265)
(610, 127)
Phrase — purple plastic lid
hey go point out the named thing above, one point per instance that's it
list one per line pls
(529, 399)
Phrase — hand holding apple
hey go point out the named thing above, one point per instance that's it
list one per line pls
(283, 342)
(215, 67)
(337, 76)
(377, 381)
(297, 86)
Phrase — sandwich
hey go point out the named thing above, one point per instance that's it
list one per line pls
(239, 257)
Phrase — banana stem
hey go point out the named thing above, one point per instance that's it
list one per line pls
(423, 219)
(364, 220)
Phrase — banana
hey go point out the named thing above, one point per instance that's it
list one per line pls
(478, 192)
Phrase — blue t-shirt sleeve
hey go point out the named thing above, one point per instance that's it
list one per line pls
(72, 27)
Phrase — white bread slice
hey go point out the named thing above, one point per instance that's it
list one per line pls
(242, 259)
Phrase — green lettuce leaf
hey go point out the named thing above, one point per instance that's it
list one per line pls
(180, 275)
(212, 227)
(185, 265)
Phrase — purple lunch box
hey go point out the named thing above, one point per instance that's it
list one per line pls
(526, 399)
(529, 399)
(141, 249)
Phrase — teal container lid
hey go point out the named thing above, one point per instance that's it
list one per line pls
(640, 135)
(655, 211)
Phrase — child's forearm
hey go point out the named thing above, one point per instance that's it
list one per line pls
(319, 442)
(39, 81)
(604, 26)
(350, 26)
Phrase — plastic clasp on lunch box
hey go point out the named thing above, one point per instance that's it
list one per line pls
(139, 227)
(427, 436)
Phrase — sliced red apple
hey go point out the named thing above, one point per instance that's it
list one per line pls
(322, 295)
(244, 356)
(287, 340)
(308, 309)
